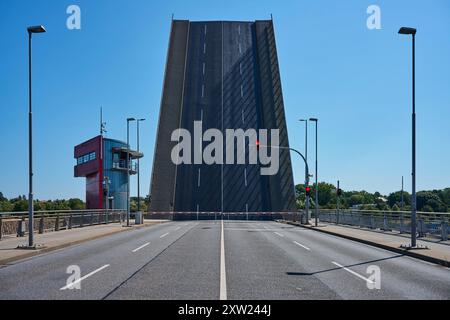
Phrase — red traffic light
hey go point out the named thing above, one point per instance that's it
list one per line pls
(308, 191)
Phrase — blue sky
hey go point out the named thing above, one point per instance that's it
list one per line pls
(355, 80)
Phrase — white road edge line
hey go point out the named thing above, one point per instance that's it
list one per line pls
(164, 235)
(83, 278)
(353, 273)
(279, 234)
(141, 247)
(299, 244)
(223, 275)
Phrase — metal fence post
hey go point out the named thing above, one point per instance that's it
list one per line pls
(41, 225)
(444, 230)
(21, 228)
(70, 221)
(92, 218)
(421, 233)
(401, 222)
(384, 221)
(1, 227)
(57, 222)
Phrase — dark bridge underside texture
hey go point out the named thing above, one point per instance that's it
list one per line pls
(226, 74)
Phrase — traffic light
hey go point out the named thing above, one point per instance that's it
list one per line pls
(339, 192)
(308, 191)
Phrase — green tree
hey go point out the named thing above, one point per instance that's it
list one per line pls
(20, 205)
(429, 199)
(355, 199)
(396, 198)
(6, 206)
(76, 204)
(327, 194)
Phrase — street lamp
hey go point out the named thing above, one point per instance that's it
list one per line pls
(128, 169)
(31, 30)
(306, 173)
(258, 145)
(317, 184)
(139, 169)
(403, 202)
(412, 31)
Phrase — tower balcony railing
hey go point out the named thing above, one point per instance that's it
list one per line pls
(122, 165)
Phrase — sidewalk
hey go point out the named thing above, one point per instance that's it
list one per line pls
(57, 240)
(436, 252)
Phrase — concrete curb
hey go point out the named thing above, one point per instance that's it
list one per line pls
(33, 253)
(413, 254)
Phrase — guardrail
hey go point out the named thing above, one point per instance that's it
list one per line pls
(211, 215)
(45, 221)
(428, 223)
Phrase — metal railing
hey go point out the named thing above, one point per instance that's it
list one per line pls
(269, 216)
(46, 221)
(122, 165)
(431, 224)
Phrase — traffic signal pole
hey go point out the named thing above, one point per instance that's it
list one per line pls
(307, 200)
(338, 193)
(258, 145)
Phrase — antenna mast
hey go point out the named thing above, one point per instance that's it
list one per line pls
(102, 124)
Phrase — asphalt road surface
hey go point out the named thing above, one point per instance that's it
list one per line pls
(223, 260)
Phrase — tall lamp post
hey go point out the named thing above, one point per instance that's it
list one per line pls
(258, 145)
(412, 31)
(317, 183)
(31, 30)
(128, 169)
(139, 169)
(306, 173)
(403, 202)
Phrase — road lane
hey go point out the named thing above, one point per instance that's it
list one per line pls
(41, 277)
(402, 277)
(258, 269)
(244, 260)
(189, 269)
